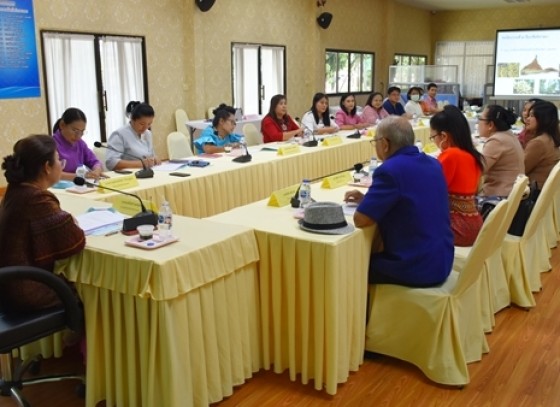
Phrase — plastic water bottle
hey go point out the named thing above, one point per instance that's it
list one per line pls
(243, 146)
(81, 172)
(466, 106)
(419, 145)
(304, 193)
(165, 220)
(372, 166)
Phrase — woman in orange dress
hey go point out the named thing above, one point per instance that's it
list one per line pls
(462, 166)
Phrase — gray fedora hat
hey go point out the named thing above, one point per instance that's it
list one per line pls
(326, 218)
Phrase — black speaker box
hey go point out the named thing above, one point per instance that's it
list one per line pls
(324, 20)
(204, 5)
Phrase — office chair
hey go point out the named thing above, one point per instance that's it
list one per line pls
(21, 328)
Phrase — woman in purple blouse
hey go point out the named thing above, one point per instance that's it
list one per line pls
(67, 133)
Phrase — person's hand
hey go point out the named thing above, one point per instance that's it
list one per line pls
(151, 161)
(353, 196)
(95, 173)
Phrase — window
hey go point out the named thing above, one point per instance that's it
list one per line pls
(406, 59)
(258, 74)
(348, 72)
(96, 73)
(472, 57)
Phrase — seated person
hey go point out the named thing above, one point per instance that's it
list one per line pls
(502, 151)
(34, 231)
(429, 103)
(462, 166)
(414, 106)
(542, 152)
(525, 135)
(393, 103)
(277, 125)
(317, 120)
(133, 140)
(214, 138)
(373, 111)
(408, 202)
(67, 133)
(347, 118)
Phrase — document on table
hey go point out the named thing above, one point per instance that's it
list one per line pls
(169, 166)
(98, 218)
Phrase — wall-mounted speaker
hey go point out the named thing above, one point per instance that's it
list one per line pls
(324, 20)
(204, 5)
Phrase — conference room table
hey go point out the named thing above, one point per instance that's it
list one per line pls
(175, 326)
(224, 184)
(313, 291)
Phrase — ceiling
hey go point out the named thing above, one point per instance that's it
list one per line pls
(441, 5)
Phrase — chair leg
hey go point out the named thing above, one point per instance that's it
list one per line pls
(18, 397)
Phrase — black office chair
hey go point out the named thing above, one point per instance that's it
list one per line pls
(18, 329)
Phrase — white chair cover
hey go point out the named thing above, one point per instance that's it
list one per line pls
(438, 329)
(178, 146)
(525, 257)
(252, 135)
(181, 119)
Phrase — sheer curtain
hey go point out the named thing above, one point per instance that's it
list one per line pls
(123, 77)
(70, 76)
(272, 69)
(472, 58)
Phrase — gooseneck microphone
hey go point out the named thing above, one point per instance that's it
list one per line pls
(309, 143)
(143, 218)
(294, 201)
(145, 172)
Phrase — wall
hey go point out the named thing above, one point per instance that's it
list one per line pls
(189, 52)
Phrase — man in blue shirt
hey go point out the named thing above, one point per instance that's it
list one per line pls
(408, 201)
(393, 103)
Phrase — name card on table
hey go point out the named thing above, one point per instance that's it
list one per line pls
(131, 206)
(332, 141)
(282, 197)
(371, 133)
(124, 182)
(289, 149)
(337, 180)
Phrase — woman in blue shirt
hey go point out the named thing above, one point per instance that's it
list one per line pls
(215, 137)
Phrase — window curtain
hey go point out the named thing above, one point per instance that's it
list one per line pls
(71, 82)
(123, 77)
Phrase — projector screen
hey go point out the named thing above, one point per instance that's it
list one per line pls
(527, 64)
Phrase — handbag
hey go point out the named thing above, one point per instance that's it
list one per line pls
(522, 214)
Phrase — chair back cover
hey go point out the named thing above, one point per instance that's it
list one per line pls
(181, 119)
(178, 146)
(482, 247)
(544, 202)
(252, 135)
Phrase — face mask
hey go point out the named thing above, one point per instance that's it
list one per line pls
(415, 97)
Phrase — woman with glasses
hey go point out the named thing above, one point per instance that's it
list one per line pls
(220, 135)
(462, 166)
(133, 140)
(34, 230)
(503, 154)
(67, 133)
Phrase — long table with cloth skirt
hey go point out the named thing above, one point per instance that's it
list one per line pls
(174, 326)
(313, 292)
(224, 185)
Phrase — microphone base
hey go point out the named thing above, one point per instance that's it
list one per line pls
(311, 143)
(145, 173)
(354, 135)
(243, 158)
(142, 218)
(294, 202)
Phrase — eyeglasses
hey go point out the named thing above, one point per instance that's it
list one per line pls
(434, 136)
(79, 132)
(483, 119)
(232, 121)
(376, 139)
(62, 163)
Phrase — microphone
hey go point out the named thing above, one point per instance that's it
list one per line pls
(143, 218)
(245, 157)
(310, 143)
(294, 201)
(145, 172)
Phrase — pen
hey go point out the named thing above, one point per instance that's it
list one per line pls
(114, 232)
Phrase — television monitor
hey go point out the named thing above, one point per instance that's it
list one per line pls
(527, 64)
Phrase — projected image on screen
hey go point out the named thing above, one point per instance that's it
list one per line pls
(527, 63)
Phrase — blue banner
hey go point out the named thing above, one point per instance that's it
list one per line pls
(19, 70)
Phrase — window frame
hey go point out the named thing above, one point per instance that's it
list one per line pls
(349, 75)
(399, 55)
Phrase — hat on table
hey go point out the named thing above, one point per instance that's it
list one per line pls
(326, 218)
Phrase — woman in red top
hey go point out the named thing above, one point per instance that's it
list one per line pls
(277, 125)
(462, 166)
